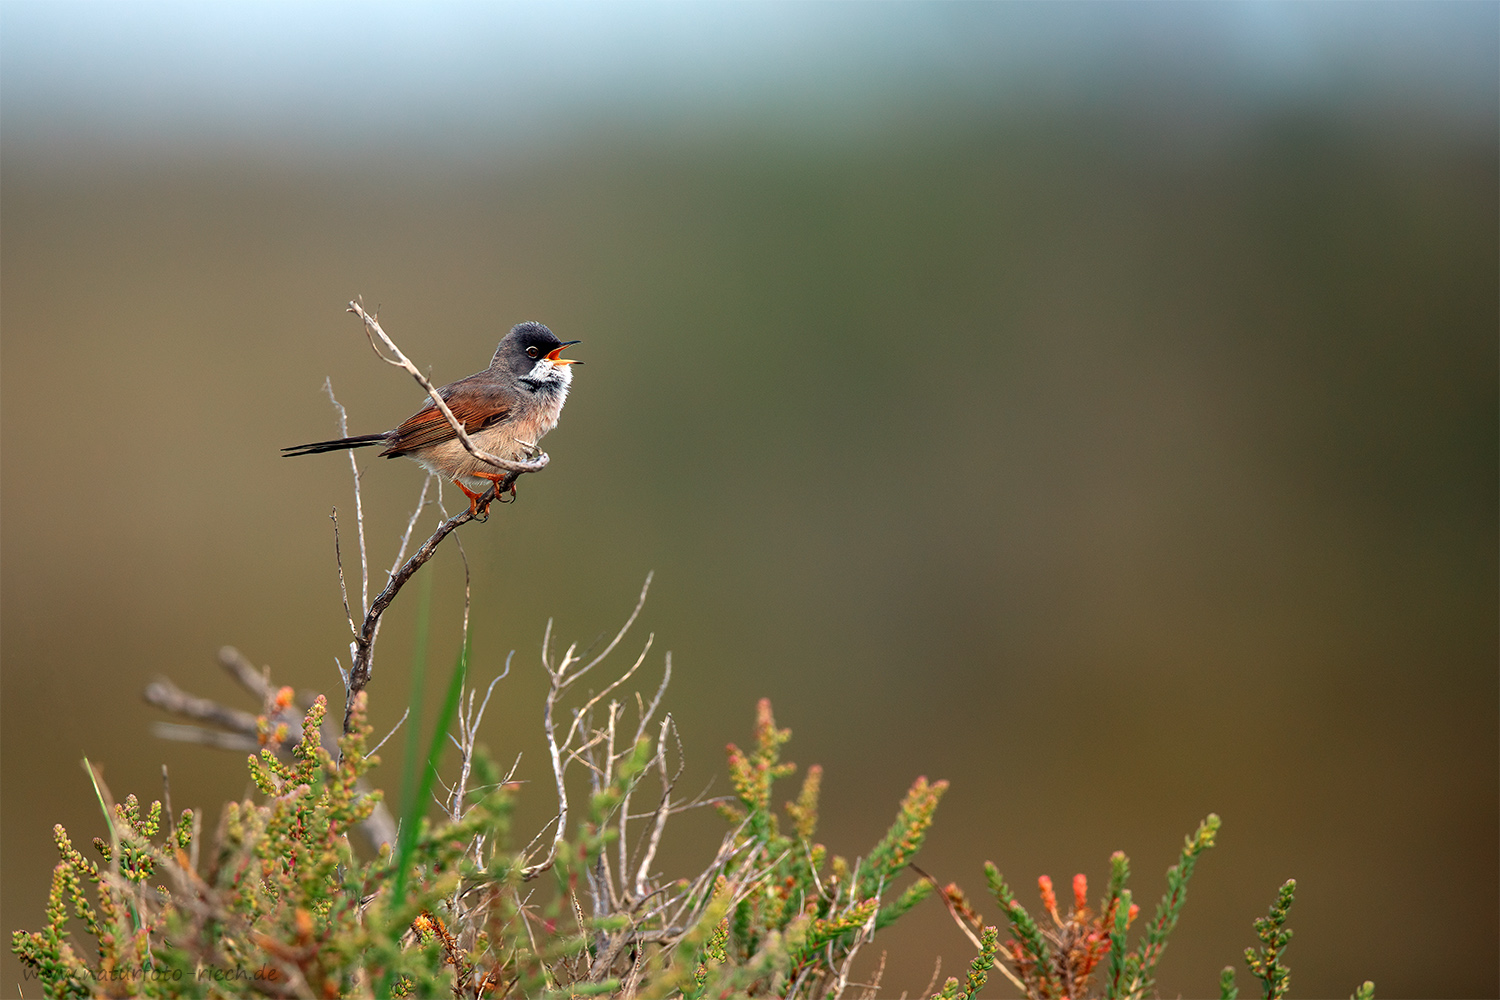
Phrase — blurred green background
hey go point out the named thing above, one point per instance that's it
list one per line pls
(1092, 405)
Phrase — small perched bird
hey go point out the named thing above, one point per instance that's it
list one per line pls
(504, 409)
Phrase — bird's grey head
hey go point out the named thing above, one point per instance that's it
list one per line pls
(532, 354)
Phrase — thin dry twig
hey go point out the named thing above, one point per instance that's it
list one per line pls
(963, 925)
(560, 680)
(204, 737)
(168, 696)
(399, 723)
(469, 720)
(364, 641)
(937, 970)
(359, 508)
(663, 810)
(338, 560)
(411, 523)
(866, 934)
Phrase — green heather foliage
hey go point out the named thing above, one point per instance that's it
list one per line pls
(277, 902)
(280, 904)
(1086, 953)
(1265, 964)
(1274, 937)
(1059, 956)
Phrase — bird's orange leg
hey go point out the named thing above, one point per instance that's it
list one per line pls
(473, 497)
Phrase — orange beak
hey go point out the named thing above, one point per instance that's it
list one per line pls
(556, 360)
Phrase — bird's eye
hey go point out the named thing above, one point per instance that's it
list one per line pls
(531, 352)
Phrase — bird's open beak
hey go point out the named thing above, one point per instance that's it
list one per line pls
(555, 358)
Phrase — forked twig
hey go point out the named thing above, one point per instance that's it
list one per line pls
(561, 752)
(364, 640)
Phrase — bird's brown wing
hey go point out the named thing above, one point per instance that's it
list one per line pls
(474, 402)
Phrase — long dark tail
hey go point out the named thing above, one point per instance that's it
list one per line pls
(339, 444)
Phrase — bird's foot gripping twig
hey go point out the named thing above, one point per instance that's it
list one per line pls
(479, 503)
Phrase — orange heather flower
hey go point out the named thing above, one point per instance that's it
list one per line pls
(1049, 898)
(1080, 891)
(284, 697)
(961, 904)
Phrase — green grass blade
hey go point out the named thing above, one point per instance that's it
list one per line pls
(407, 841)
(418, 685)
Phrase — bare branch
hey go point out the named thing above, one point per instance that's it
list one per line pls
(411, 524)
(359, 508)
(580, 715)
(204, 737)
(662, 811)
(168, 696)
(364, 641)
(937, 970)
(564, 752)
(468, 726)
(958, 919)
(338, 560)
(238, 666)
(635, 613)
(866, 932)
(666, 678)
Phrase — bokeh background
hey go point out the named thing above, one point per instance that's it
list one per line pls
(1094, 405)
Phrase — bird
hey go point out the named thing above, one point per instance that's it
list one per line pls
(505, 410)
